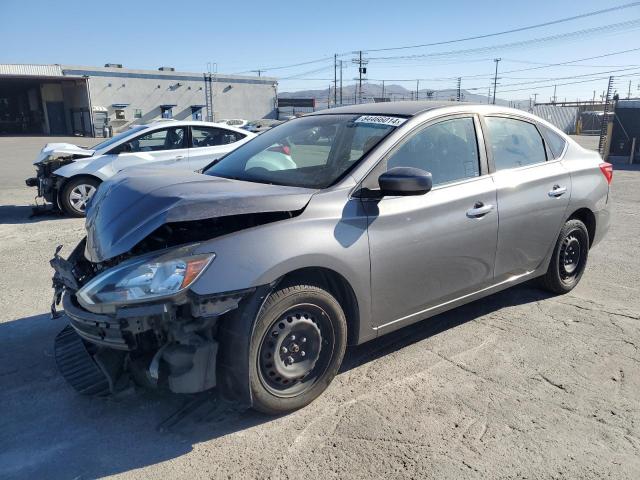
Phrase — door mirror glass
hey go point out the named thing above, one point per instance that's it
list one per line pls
(405, 181)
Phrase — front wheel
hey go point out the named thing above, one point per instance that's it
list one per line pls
(297, 347)
(569, 258)
(76, 193)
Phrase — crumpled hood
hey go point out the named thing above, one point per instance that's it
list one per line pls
(135, 202)
(57, 150)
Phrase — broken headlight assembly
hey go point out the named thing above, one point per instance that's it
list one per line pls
(144, 279)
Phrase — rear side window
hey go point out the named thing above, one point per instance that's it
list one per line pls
(555, 142)
(211, 136)
(514, 143)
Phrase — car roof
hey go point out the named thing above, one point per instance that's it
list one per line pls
(195, 123)
(406, 108)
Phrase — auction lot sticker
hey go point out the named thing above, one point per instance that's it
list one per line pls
(381, 120)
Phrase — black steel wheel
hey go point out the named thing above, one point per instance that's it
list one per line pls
(298, 345)
(569, 258)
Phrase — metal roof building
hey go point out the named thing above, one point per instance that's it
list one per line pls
(79, 100)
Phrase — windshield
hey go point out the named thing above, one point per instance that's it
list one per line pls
(309, 152)
(116, 138)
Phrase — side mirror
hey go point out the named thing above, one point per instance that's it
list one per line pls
(405, 181)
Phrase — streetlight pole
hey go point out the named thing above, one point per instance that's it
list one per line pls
(495, 79)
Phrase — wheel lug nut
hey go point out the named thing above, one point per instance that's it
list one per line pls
(289, 360)
(284, 350)
(302, 353)
(303, 339)
(293, 337)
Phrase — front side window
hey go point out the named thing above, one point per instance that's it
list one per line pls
(163, 139)
(211, 136)
(116, 138)
(514, 143)
(448, 150)
(309, 152)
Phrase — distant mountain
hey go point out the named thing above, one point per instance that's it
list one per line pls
(395, 92)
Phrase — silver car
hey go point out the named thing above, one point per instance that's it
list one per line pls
(328, 230)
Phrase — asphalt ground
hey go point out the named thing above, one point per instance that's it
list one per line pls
(518, 385)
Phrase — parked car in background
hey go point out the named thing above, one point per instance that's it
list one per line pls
(259, 126)
(233, 122)
(334, 228)
(67, 175)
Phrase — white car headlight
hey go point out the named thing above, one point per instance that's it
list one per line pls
(144, 279)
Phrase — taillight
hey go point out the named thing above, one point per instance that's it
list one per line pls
(607, 171)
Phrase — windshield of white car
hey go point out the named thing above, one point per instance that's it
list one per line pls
(116, 138)
(309, 152)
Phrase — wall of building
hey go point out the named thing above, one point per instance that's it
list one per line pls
(144, 91)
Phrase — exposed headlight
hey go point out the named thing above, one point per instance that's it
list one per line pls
(144, 279)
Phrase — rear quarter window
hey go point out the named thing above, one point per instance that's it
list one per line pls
(555, 142)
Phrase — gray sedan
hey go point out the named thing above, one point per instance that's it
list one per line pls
(330, 229)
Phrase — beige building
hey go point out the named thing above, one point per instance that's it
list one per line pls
(79, 100)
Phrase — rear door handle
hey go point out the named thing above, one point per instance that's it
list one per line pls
(179, 157)
(479, 210)
(557, 191)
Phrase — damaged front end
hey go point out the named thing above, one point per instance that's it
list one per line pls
(165, 338)
(53, 157)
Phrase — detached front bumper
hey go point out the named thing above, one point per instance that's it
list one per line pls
(108, 331)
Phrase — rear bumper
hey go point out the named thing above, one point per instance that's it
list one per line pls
(603, 219)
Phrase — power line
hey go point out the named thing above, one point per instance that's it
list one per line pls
(566, 78)
(607, 29)
(514, 30)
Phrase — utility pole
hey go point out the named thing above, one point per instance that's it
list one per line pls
(418, 89)
(383, 90)
(360, 77)
(335, 79)
(329, 97)
(340, 82)
(554, 93)
(362, 70)
(535, 99)
(459, 92)
(489, 96)
(495, 79)
(259, 72)
(629, 94)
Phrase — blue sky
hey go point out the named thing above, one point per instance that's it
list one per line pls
(246, 35)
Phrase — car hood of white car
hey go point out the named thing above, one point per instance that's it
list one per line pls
(51, 151)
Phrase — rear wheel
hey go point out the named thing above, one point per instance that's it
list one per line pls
(298, 344)
(76, 193)
(569, 258)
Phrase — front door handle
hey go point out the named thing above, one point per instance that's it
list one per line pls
(479, 210)
(557, 191)
(179, 157)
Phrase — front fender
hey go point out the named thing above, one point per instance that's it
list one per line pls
(262, 255)
(99, 167)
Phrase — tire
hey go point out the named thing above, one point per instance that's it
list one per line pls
(75, 194)
(569, 259)
(297, 347)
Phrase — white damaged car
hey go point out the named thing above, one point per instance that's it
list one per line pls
(68, 175)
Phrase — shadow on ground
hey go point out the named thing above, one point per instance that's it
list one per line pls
(49, 431)
(19, 214)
